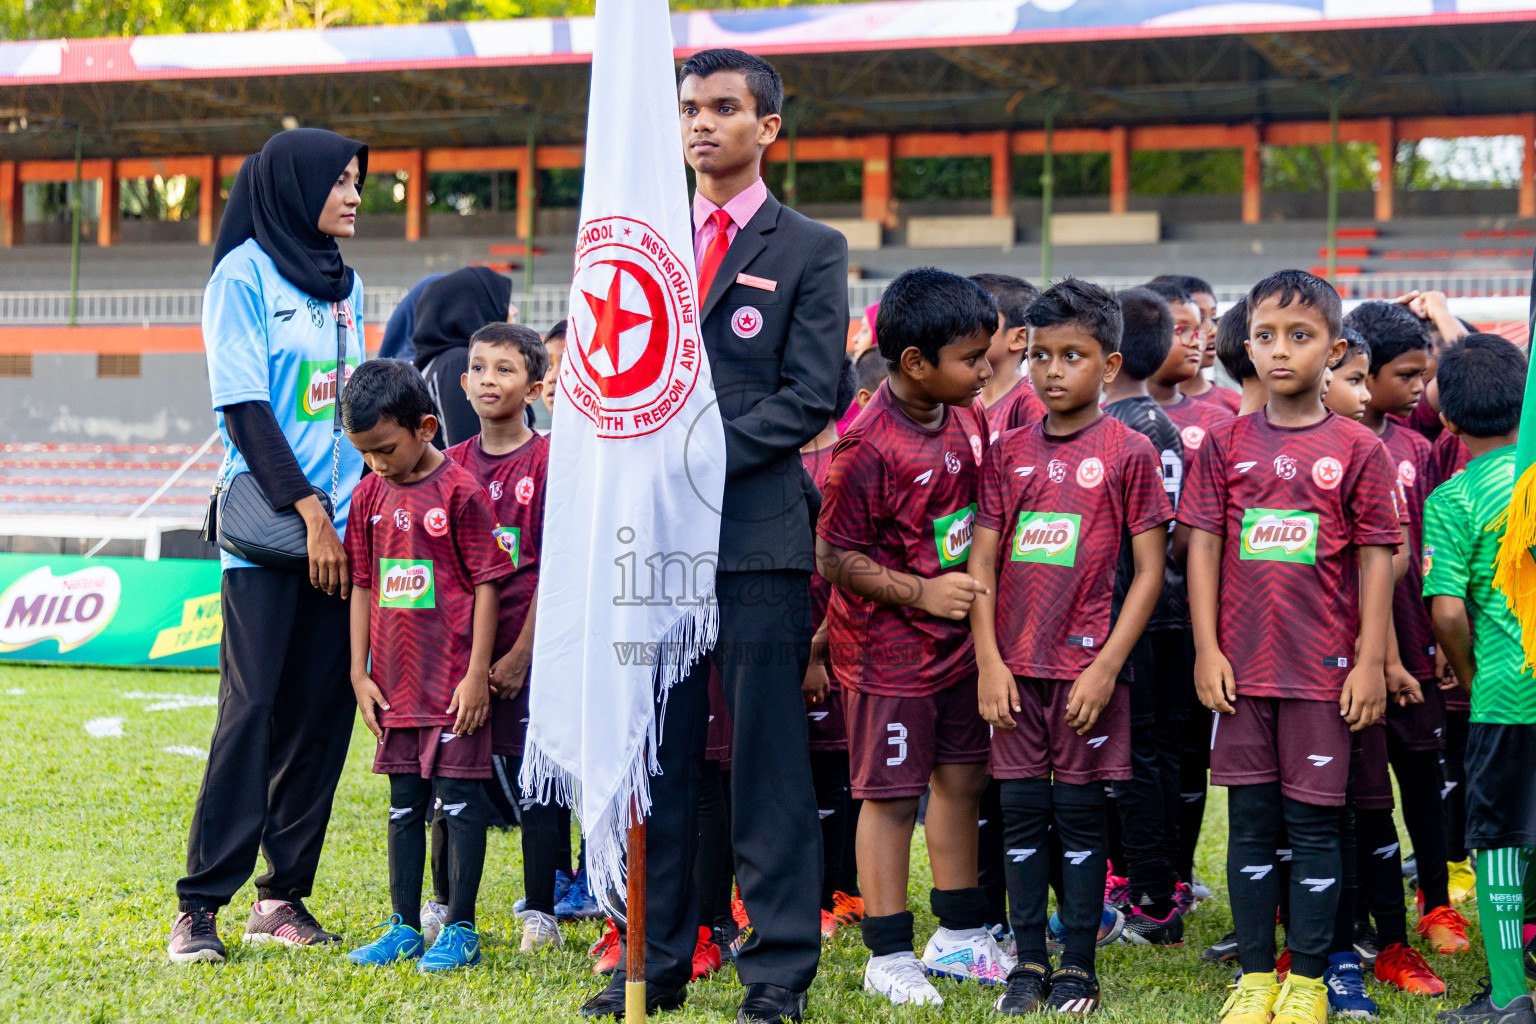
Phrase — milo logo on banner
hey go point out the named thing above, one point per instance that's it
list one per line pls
(404, 583)
(509, 538)
(317, 388)
(952, 536)
(1280, 535)
(70, 609)
(1048, 537)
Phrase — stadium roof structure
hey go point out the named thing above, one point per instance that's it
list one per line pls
(903, 65)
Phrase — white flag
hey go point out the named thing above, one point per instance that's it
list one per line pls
(626, 599)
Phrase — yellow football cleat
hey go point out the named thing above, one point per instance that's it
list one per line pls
(1302, 1001)
(1252, 1000)
(1463, 881)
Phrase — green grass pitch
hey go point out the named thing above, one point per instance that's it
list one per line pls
(93, 835)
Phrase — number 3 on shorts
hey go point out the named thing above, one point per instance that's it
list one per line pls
(897, 739)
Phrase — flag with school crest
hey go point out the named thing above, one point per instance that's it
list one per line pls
(626, 601)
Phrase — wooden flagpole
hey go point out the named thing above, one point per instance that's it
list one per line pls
(634, 916)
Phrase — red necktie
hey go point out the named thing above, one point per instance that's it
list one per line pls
(715, 254)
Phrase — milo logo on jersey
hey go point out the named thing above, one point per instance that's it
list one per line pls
(952, 536)
(1049, 537)
(1280, 535)
(509, 538)
(317, 388)
(406, 583)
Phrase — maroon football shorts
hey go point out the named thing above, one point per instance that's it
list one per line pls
(894, 742)
(828, 730)
(1419, 726)
(509, 723)
(1301, 744)
(1370, 784)
(717, 742)
(434, 752)
(1042, 743)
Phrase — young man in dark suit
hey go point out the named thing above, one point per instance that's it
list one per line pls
(775, 318)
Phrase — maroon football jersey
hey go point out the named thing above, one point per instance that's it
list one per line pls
(1448, 456)
(515, 484)
(422, 548)
(1228, 399)
(1063, 504)
(1194, 419)
(906, 497)
(1018, 408)
(1410, 455)
(818, 464)
(1293, 505)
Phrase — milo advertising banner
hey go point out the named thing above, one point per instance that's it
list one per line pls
(110, 611)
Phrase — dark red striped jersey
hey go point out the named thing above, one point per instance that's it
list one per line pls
(1063, 505)
(421, 549)
(906, 497)
(1018, 408)
(515, 484)
(1448, 456)
(817, 465)
(1410, 455)
(1194, 419)
(1293, 506)
(1228, 399)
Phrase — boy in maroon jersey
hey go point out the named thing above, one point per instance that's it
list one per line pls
(1069, 492)
(824, 703)
(1191, 416)
(425, 569)
(893, 538)
(1198, 386)
(1009, 397)
(1294, 522)
(1345, 391)
(1232, 350)
(1399, 356)
(506, 375)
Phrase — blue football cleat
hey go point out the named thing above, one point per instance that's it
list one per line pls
(457, 946)
(400, 942)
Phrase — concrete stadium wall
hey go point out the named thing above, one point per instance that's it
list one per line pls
(64, 401)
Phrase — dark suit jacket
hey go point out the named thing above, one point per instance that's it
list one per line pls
(776, 388)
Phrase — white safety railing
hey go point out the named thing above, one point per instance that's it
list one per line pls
(546, 304)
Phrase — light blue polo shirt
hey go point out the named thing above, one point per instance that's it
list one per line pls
(267, 341)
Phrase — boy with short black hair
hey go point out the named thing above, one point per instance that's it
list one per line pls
(1346, 392)
(1009, 397)
(425, 569)
(869, 370)
(506, 374)
(1199, 294)
(1071, 491)
(554, 348)
(893, 538)
(1232, 350)
(1399, 356)
(1160, 662)
(1481, 382)
(1292, 512)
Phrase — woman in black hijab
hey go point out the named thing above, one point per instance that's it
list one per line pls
(279, 304)
(451, 309)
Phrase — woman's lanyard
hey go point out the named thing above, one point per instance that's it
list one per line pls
(343, 314)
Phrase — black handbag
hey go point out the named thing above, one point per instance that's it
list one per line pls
(244, 522)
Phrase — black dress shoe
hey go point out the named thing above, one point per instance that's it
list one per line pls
(770, 1004)
(610, 1001)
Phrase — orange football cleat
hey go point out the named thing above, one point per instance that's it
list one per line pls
(607, 950)
(828, 925)
(847, 909)
(1405, 967)
(706, 955)
(1445, 930)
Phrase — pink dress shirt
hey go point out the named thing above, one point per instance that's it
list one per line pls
(742, 208)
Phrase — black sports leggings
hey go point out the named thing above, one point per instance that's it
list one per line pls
(410, 801)
(1034, 809)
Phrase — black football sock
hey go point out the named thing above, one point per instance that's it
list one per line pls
(1143, 826)
(848, 871)
(1381, 874)
(1253, 872)
(1344, 918)
(410, 798)
(1026, 805)
(1316, 873)
(1194, 765)
(829, 773)
(713, 867)
(541, 853)
(1079, 817)
(1454, 792)
(1419, 782)
(464, 812)
(989, 854)
(959, 909)
(438, 846)
(889, 934)
(563, 862)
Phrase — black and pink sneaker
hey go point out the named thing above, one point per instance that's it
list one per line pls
(286, 923)
(194, 937)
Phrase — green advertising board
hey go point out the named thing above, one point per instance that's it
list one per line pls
(110, 611)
